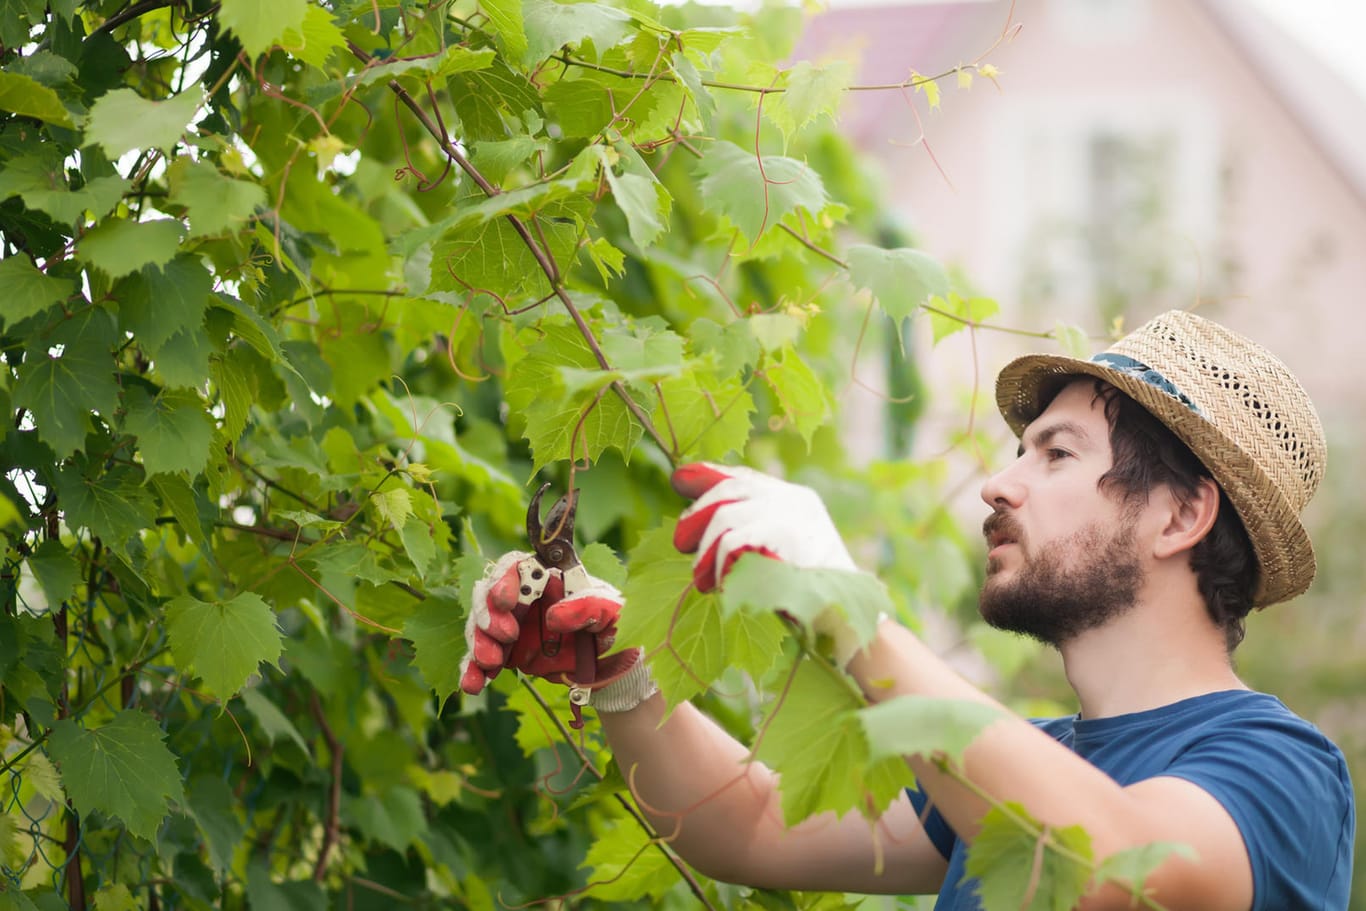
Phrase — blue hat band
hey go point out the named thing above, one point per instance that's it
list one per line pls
(1141, 371)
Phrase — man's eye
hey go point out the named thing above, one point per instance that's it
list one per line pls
(1056, 454)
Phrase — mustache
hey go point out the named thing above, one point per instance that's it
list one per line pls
(1002, 525)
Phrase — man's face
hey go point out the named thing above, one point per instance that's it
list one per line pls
(1062, 557)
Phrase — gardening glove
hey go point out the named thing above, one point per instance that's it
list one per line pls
(545, 637)
(738, 510)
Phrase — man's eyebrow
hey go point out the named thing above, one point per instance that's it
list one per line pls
(1045, 435)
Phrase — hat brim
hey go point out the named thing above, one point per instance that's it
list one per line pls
(1282, 544)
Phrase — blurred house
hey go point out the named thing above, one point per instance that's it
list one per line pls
(1138, 155)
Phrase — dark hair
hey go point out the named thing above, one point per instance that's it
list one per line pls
(1147, 454)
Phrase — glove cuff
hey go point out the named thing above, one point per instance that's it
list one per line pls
(627, 691)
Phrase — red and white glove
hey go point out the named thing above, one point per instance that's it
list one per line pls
(542, 638)
(739, 510)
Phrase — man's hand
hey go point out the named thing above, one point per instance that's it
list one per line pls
(540, 638)
(739, 510)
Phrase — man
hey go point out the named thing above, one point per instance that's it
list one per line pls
(1154, 502)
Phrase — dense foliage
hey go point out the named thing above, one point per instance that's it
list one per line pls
(298, 299)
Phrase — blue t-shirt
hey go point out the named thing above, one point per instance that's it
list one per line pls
(1284, 783)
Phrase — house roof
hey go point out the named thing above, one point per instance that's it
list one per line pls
(889, 40)
(1330, 109)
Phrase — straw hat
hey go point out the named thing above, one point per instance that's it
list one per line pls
(1233, 403)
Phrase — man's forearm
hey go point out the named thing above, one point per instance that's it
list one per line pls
(723, 815)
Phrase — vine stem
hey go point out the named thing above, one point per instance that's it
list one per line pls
(333, 824)
(630, 808)
(541, 255)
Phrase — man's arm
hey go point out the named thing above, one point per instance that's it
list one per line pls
(723, 814)
(1015, 761)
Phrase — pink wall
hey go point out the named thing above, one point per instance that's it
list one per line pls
(1259, 188)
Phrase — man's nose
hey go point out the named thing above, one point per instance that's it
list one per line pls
(1003, 489)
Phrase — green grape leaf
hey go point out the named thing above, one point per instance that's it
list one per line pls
(753, 642)
(394, 506)
(774, 331)
(813, 740)
(41, 775)
(756, 198)
(1073, 340)
(644, 201)
(627, 866)
(550, 26)
(214, 202)
(51, 70)
(484, 98)
(492, 257)
(583, 107)
(497, 159)
(811, 92)
(25, 96)
(1133, 866)
(1006, 858)
(757, 583)
(523, 202)
(116, 897)
(232, 377)
(901, 280)
(119, 247)
(274, 723)
(641, 347)
(801, 395)
(353, 559)
(534, 732)
(658, 596)
(264, 894)
(709, 417)
(687, 75)
(920, 725)
(602, 563)
(437, 631)
(259, 24)
(214, 808)
(955, 313)
(732, 347)
(606, 259)
(693, 654)
(506, 19)
(183, 361)
(393, 817)
(43, 185)
(180, 499)
(223, 642)
(173, 430)
(315, 40)
(122, 121)
(556, 422)
(62, 390)
(122, 769)
(56, 571)
(28, 290)
(20, 901)
(455, 59)
(419, 544)
(254, 329)
(113, 508)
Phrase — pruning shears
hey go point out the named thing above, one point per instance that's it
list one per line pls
(552, 540)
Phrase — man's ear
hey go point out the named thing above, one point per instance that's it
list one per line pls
(1189, 519)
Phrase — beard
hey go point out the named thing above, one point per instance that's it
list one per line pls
(1070, 586)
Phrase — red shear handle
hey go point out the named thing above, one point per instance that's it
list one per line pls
(555, 638)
